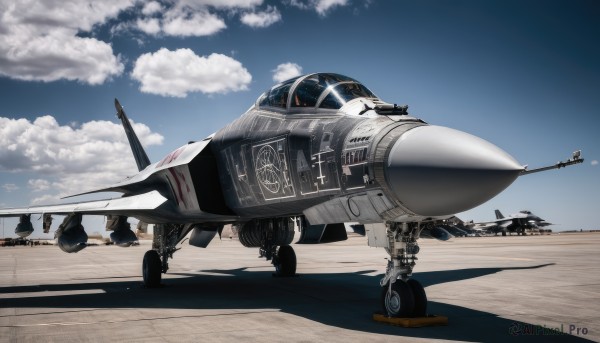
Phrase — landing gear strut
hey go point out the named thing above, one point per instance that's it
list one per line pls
(166, 237)
(400, 295)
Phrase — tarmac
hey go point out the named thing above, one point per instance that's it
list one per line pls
(492, 289)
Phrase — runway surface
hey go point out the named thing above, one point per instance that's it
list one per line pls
(492, 289)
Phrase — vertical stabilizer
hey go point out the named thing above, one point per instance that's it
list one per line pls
(141, 159)
(499, 215)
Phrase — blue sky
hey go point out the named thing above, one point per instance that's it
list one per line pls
(524, 75)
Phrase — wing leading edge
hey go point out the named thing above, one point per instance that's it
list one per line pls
(122, 206)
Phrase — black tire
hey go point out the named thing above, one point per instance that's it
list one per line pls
(401, 302)
(151, 269)
(285, 265)
(420, 298)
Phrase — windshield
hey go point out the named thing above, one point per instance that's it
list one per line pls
(309, 90)
(278, 95)
(344, 92)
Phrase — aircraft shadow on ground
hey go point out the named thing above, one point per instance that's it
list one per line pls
(344, 300)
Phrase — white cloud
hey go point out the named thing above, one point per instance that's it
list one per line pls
(261, 19)
(186, 21)
(38, 185)
(46, 199)
(186, 18)
(151, 8)
(177, 73)
(10, 187)
(182, 18)
(286, 71)
(38, 40)
(149, 26)
(594, 162)
(320, 6)
(225, 3)
(68, 160)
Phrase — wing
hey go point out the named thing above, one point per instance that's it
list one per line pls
(119, 206)
(485, 225)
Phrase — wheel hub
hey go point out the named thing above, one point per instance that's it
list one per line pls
(393, 302)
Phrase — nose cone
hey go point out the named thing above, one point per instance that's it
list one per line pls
(437, 171)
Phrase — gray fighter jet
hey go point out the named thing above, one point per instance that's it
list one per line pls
(313, 151)
(517, 223)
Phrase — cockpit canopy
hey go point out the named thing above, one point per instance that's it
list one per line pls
(313, 92)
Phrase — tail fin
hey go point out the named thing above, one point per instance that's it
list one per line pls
(499, 215)
(141, 159)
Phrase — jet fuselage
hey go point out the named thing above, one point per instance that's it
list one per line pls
(365, 161)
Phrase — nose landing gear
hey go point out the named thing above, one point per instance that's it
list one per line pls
(401, 296)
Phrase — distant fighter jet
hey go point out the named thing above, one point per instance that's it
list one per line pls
(518, 222)
(316, 150)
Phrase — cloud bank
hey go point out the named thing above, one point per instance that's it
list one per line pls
(39, 41)
(54, 40)
(261, 19)
(67, 160)
(322, 7)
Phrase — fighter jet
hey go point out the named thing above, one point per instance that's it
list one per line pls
(316, 150)
(518, 222)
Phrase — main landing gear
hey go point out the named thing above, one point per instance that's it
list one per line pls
(285, 261)
(273, 237)
(401, 296)
(151, 269)
(155, 263)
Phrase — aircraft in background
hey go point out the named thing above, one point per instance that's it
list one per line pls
(317, 151)
(517, 223)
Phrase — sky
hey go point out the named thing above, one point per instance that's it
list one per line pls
(522, 74)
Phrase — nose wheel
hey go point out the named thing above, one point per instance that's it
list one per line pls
(419, 297)
(397, 299)
(404, 299)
